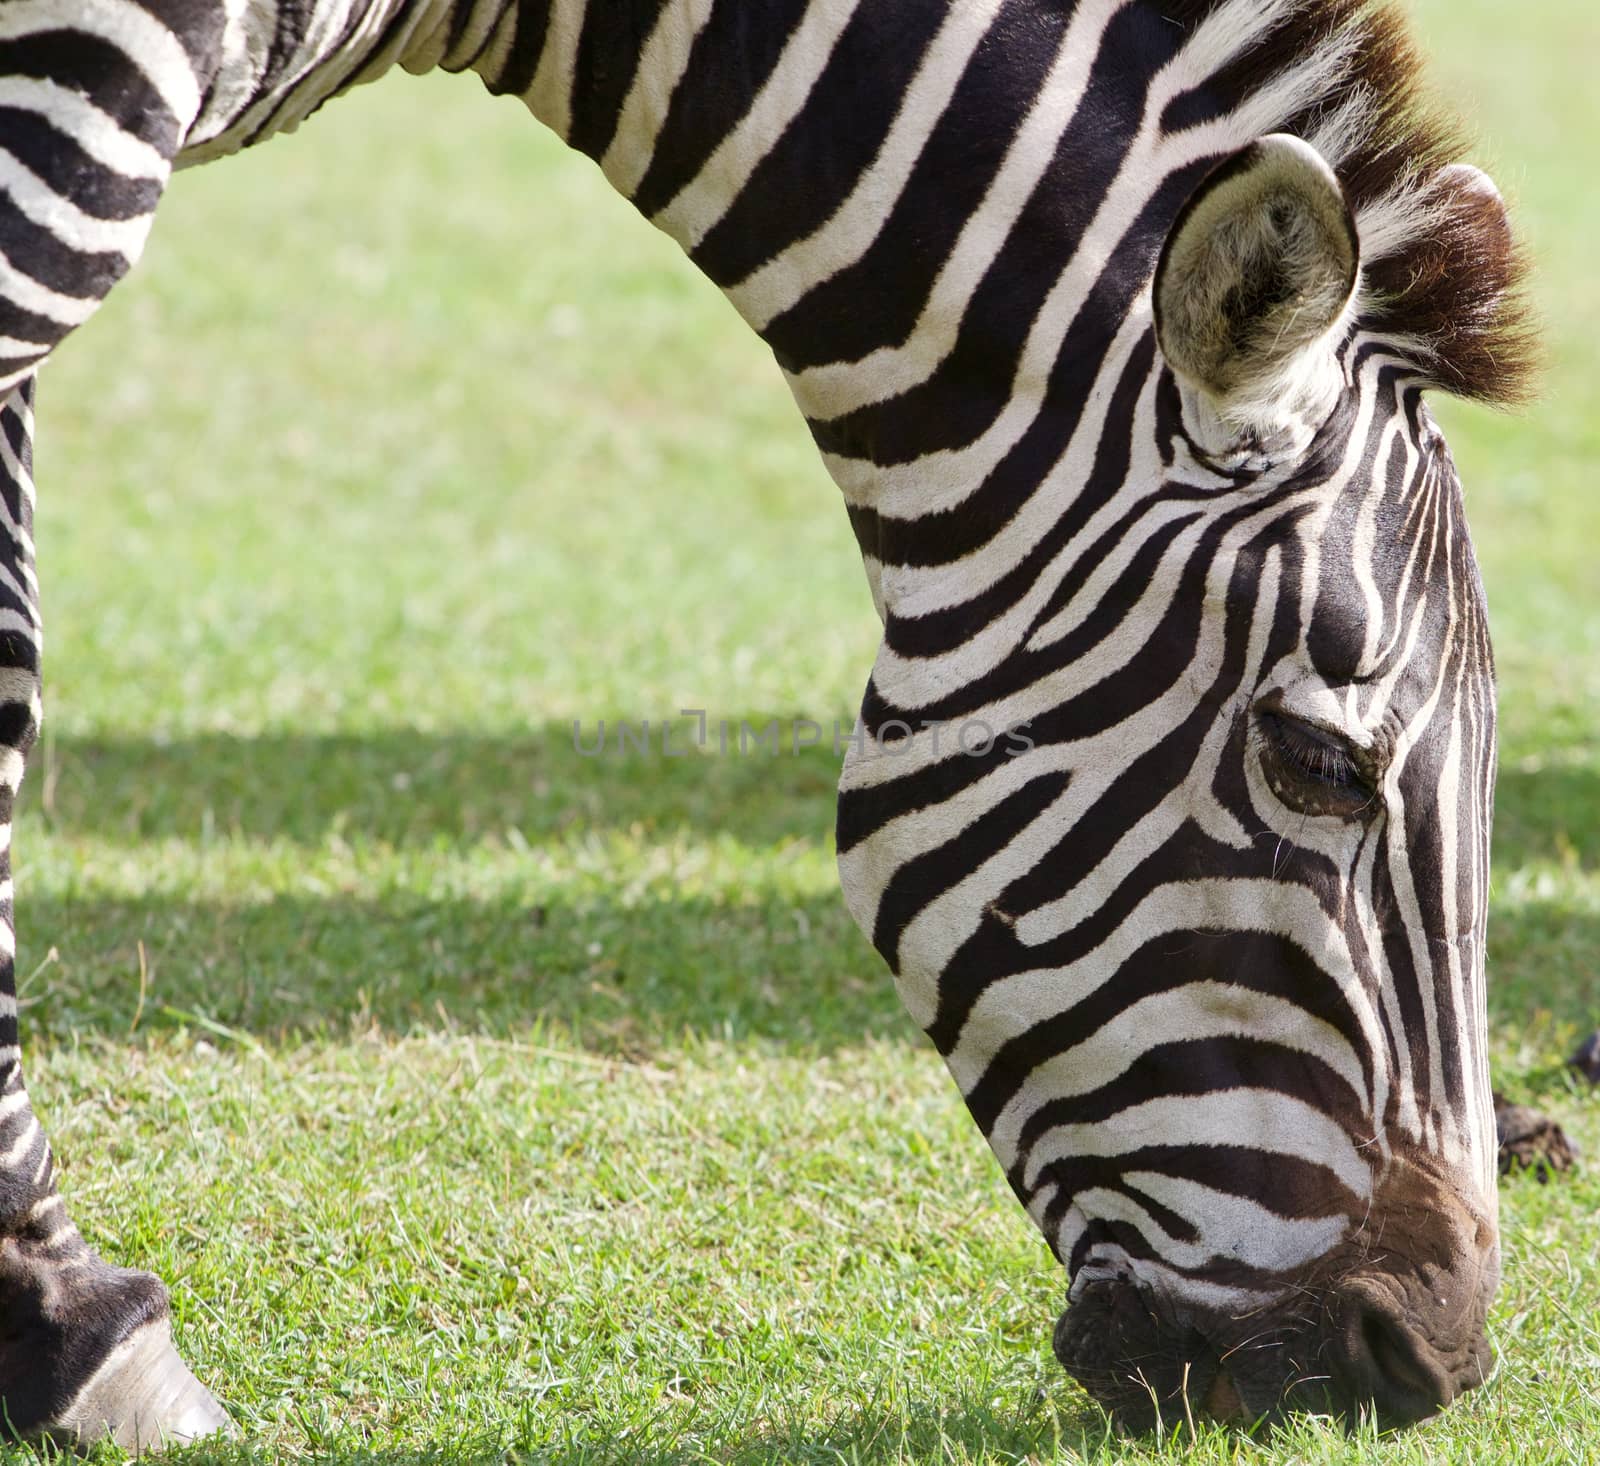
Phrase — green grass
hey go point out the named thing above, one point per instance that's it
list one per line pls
(479, 1098)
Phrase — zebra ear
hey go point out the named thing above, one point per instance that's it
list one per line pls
(1252, 293)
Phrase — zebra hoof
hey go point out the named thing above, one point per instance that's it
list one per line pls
(144, 1398)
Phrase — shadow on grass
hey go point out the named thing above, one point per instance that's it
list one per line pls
(967, 1428)
(399, 787)
(403, 787)
(623, 972)
(622, 976)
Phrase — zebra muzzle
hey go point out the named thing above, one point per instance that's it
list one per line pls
(1362, 1334)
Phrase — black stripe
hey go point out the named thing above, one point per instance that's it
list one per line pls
(82, 274)
(1289, 1186)
(950, 409)
(830, 142)
(608, 59)
(939, 631)
(337, 49)
(729, 62)
(16, 433)
(11, 365)
(293, 20)
(1256, 962)
(1193, 1068)
(24, 325)
(861, 811)
(16, 725)
(943, 539)
(527, 45)
(100, 72)
(926, 877)
(197, 26)
(877, 301)
(66, 169)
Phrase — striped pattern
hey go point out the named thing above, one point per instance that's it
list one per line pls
(1199, 1021)
(30, 1209)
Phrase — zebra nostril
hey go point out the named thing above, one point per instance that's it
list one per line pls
(1388, 1365)
(1392, 1355)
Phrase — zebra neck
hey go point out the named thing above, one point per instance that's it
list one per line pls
(821, 161)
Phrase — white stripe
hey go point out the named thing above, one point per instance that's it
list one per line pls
(11, 346)
(550, 96)
(16, 402)
(942, 480)
(1196, 1010)
(18, 684)
(492, 62)
(11, 764)
(661, 67)
(1012, 1005)
(247, 39)
(1262, 1120)
(848, 234)
(831, 391)
(143, 40)
(474, 38)
(21, 1147)
(36, 200)
(1229, 1223)
(332, 48)
(23, 290)
(11, 621)
(96, 132)
(690, 216)
(26, 594)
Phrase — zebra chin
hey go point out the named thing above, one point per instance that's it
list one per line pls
(1392, 1334)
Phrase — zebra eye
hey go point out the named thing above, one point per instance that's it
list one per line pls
(1313, 771)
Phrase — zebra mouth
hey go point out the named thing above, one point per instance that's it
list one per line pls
(1149, 1361)
(1143, 1363)
(1340, 1343)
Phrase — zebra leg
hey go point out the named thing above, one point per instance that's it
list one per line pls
(97, 97)
(85, 1348)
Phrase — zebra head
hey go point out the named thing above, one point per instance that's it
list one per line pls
(1181, 853)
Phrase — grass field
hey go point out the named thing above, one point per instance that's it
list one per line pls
(483, 1101)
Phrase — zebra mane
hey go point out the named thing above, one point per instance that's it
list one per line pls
(1442, 274)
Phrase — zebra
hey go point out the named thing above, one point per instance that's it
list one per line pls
(1113, 321)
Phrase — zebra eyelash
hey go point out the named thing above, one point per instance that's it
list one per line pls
(1325, 775)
